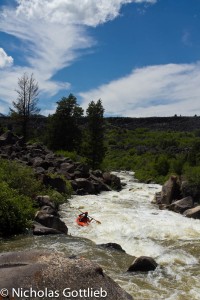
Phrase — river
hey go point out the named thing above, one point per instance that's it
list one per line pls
(131, 220)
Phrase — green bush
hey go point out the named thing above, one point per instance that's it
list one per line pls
(162, 166)
(18, 188)
(20, 178)
(72, 155)
(16, 211)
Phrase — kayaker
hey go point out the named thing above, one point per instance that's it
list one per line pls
(84, 217)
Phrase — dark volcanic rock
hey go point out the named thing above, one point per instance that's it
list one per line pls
(86, 185)
(41, 269)
(53, 170)
(112, 246)
(143, 264)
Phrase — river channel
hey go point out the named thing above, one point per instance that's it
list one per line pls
(131, 220)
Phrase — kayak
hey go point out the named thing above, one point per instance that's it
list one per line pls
(81, 223)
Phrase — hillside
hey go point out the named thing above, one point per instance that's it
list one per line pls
(176, 123)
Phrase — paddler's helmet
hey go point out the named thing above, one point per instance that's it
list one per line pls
(86, 213)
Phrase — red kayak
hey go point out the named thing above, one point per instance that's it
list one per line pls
(81, 223)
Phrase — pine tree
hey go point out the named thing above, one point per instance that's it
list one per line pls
(95, 147)
(64, 130)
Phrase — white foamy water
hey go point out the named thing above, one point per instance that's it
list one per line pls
(131, 220)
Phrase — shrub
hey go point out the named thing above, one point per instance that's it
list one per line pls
(72, 155)
(20, 178)
(16, 211)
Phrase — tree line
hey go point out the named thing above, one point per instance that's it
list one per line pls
(64, 129)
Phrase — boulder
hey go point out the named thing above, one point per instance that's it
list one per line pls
(112, 246)
(39, 229)
(67, 167)
(56, 183)
(49, 210)
(157, 198)
(170, 191)
(55, 275)
(193, 212)
(180, 206)
(112, 180)
(36, 162)
(44, 201)
(99, 185)
(83, 169)
(8, 138)
(85, 184)
(51, 221)
(97, 173)
(143, 264)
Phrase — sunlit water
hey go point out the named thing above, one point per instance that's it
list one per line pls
(129, 219)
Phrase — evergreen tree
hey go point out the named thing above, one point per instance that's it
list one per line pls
(27, 100)
(95, 147)
(64, 131)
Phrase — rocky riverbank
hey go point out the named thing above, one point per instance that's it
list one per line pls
(58, 172)
(178, 196)
(54, 170)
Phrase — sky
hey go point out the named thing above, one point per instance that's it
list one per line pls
(140, 57)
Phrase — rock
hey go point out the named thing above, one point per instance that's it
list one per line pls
(39, 229)
(112, 246)
(56, 183)
(51, 221)
(83, 169)
(157, 198)
(193, 212)
(49, 210)
(37, 161)
(170, 191)
(39, 170)
(112, 180)
(54, 272)
(143, 264)
(180, 206)
(67, 167)
(162, 206)
(97, 173)
(8, 138)
(85, 184)
(190, 189)
(44, 201)
(99, 185)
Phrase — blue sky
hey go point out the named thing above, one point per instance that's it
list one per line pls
(141, 57)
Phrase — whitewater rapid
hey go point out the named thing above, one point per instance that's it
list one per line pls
(130, 219)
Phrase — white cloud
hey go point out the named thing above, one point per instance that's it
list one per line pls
(53, 34)
(84, 12)
(162, 90)
(5, 60)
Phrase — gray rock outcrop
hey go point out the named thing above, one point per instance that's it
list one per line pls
(52, 273)
(181, 205)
